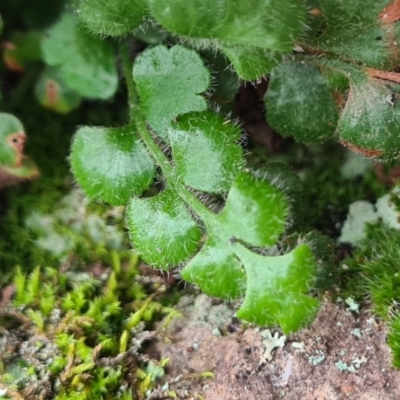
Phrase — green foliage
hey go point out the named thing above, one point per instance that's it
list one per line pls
(206, 136)
(299, 102)
(170, 226)
(121, 167)
(91, 354)
(224, 224)
(114, 18)
(92, 74)
(169, 83)
(377, 269)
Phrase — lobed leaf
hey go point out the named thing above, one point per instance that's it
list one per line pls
(162, 230)
(113, 18)
(270, 24)
(354, 29)
(276, 288)
(169, 82)
(87, 63)
(255, 213)
(205, 151)
(111, 164)
(216, 270)
(299, 103)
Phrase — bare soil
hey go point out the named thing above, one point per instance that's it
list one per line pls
(342, 355)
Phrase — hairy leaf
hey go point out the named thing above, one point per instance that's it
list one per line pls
(370, 121)
(225, 81)
(271, 24)
(216, 270)
(113, 18)
(169, 82)
(276, 288)
(205, 151)
(300, 104)
(87, 63)
(111, 164)
(162, 230)
(255, 212)
(250, 63)
(353, 29)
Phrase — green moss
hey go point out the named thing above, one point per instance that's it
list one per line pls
(374, 272)
(92, 322)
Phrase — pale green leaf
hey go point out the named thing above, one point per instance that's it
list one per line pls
(255, 211)
(169, 82)
(11, 134)
(52, 92)
(197, 137)
(86, 62)
(216, 270)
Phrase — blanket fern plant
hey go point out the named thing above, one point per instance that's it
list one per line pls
(330, 64)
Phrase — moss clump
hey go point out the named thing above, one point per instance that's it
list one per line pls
(374, 271)
(88, 330)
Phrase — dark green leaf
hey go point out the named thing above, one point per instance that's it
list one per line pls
(87, 63)
(151, 33)
(353, 29)
(250, 63)
(111, 164)
(271, 24)
(169, 82)
(370, 121)
(225, 81)
(205, 151)
(299, 103)
(276, 288)
(162, 230)
(113, 18)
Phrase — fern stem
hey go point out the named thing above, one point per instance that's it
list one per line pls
(136, 119)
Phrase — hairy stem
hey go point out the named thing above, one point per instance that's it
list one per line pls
(136, 118)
